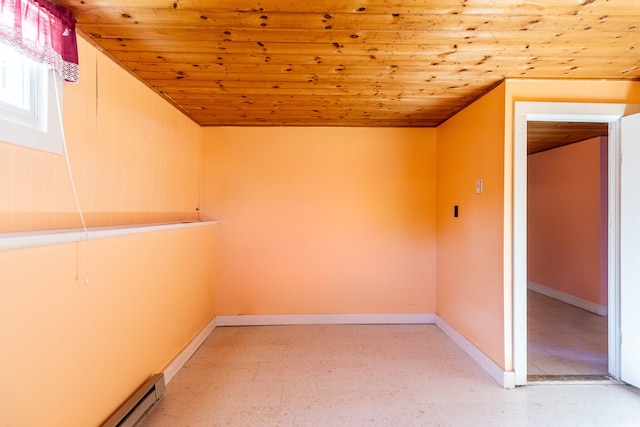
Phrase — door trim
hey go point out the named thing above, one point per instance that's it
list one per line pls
(563, 112)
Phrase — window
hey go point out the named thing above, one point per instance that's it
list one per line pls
(30, 102)
(20, 81)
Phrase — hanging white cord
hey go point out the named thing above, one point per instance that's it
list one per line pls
(73, 185)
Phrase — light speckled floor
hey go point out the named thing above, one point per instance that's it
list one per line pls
(374, 375)
(564, 340)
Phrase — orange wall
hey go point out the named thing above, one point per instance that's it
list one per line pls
(474, 251)
(135, 159)
(72, 352)
(545, 91)
(565, 222)
(331, 220)
(623, 91)
(313, 221)
(470, 248)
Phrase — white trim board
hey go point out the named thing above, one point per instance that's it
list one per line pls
(324, 319)
(599, 309)
(506, 379)
(29, 239)
(183, 357)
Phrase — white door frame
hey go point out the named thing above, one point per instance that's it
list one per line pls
(564, 112)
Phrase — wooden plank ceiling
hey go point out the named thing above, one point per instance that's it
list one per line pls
(355, 62)
(542, 136)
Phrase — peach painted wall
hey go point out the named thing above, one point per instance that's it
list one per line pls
(72, 352)
(135, 158)
(565, 221)
(545, 91)
(470, 247)
(323, 220)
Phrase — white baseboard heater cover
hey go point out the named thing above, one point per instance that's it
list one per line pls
(138, 404)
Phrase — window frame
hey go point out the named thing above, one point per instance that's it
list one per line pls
(40, 127)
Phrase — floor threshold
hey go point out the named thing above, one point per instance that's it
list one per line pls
(571, 379)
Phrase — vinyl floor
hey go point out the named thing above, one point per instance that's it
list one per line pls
(367, 375)
(564, 339)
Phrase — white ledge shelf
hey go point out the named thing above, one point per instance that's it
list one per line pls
(29, 239)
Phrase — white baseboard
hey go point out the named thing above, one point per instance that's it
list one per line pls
(592, 307)
(178, 362)
(324, 319)
(506, 379)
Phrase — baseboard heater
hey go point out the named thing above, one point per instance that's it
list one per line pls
(132, 411)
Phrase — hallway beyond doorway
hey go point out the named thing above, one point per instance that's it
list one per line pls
(563, 339)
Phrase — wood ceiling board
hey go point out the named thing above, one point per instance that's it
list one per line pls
(542, 136)
(392, 7)
(354, 61)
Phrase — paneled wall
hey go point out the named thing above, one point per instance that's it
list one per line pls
(72, 352)
(135, 159)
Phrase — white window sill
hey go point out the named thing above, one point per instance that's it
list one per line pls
(28, 239)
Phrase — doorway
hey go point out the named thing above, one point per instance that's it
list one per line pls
(567, 251)
(563, 112)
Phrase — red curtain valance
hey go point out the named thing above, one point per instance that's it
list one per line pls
(42, 31)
